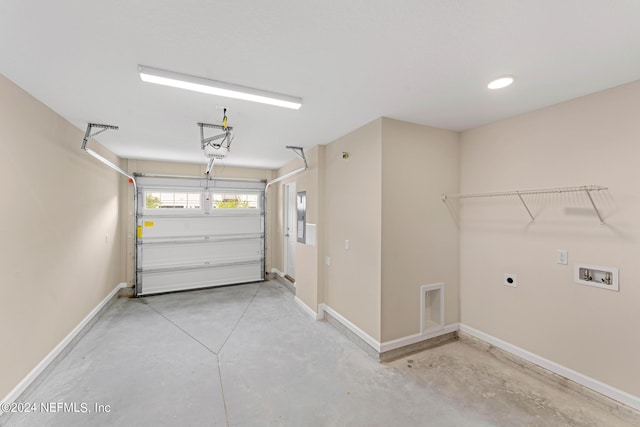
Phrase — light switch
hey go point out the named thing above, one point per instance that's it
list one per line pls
(562, 257)
(346, 244)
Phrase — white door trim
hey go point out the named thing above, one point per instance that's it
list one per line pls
(289, 231)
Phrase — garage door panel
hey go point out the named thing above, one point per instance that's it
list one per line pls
(200, 226)
(200, 278)
(192, 236)
(181, 254)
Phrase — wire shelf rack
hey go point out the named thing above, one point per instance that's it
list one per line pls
(587, 189)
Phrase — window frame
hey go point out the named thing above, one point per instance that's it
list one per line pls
(258, 202)
(174, 210)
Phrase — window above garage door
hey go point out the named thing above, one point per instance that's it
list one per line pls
(172, 200)
(235, 201)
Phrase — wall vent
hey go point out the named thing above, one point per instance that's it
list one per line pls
(431, 308)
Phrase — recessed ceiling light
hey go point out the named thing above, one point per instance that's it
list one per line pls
(500, 83)
(213, 87)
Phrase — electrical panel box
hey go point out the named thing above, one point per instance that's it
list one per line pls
(301, 202)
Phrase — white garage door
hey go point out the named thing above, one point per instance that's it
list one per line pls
(196, 233)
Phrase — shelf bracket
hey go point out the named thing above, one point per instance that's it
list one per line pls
(595, 208)
(525, 205)
(445, 200)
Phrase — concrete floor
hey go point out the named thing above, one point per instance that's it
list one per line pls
(250, 356)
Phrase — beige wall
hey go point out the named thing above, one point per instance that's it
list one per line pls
(352, 209)
(309, 272)
(590, 140)
(60, 228)
(419, 238)
(191, 169)
(392, 252)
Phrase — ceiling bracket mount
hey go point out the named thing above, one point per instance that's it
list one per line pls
(226, 136)
(88, 135)
(300, 152)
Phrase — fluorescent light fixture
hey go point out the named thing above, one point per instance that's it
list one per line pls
(500, 83)
(213, 87)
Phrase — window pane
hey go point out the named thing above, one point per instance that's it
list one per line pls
(234, 201)
(172, 200)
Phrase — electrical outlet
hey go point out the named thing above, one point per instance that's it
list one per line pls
(510, 280)
(562, 257)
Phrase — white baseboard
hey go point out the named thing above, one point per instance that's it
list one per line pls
(591, 383)
(306, 308)
(278, 272)
(595, 385)
(31, 376)
(387, 345)
(353, 328)
(416, 338)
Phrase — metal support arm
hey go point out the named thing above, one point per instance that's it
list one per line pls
(88, 135)
(300, 152)
(85, 141)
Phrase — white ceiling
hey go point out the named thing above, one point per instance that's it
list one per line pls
(352, 61)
